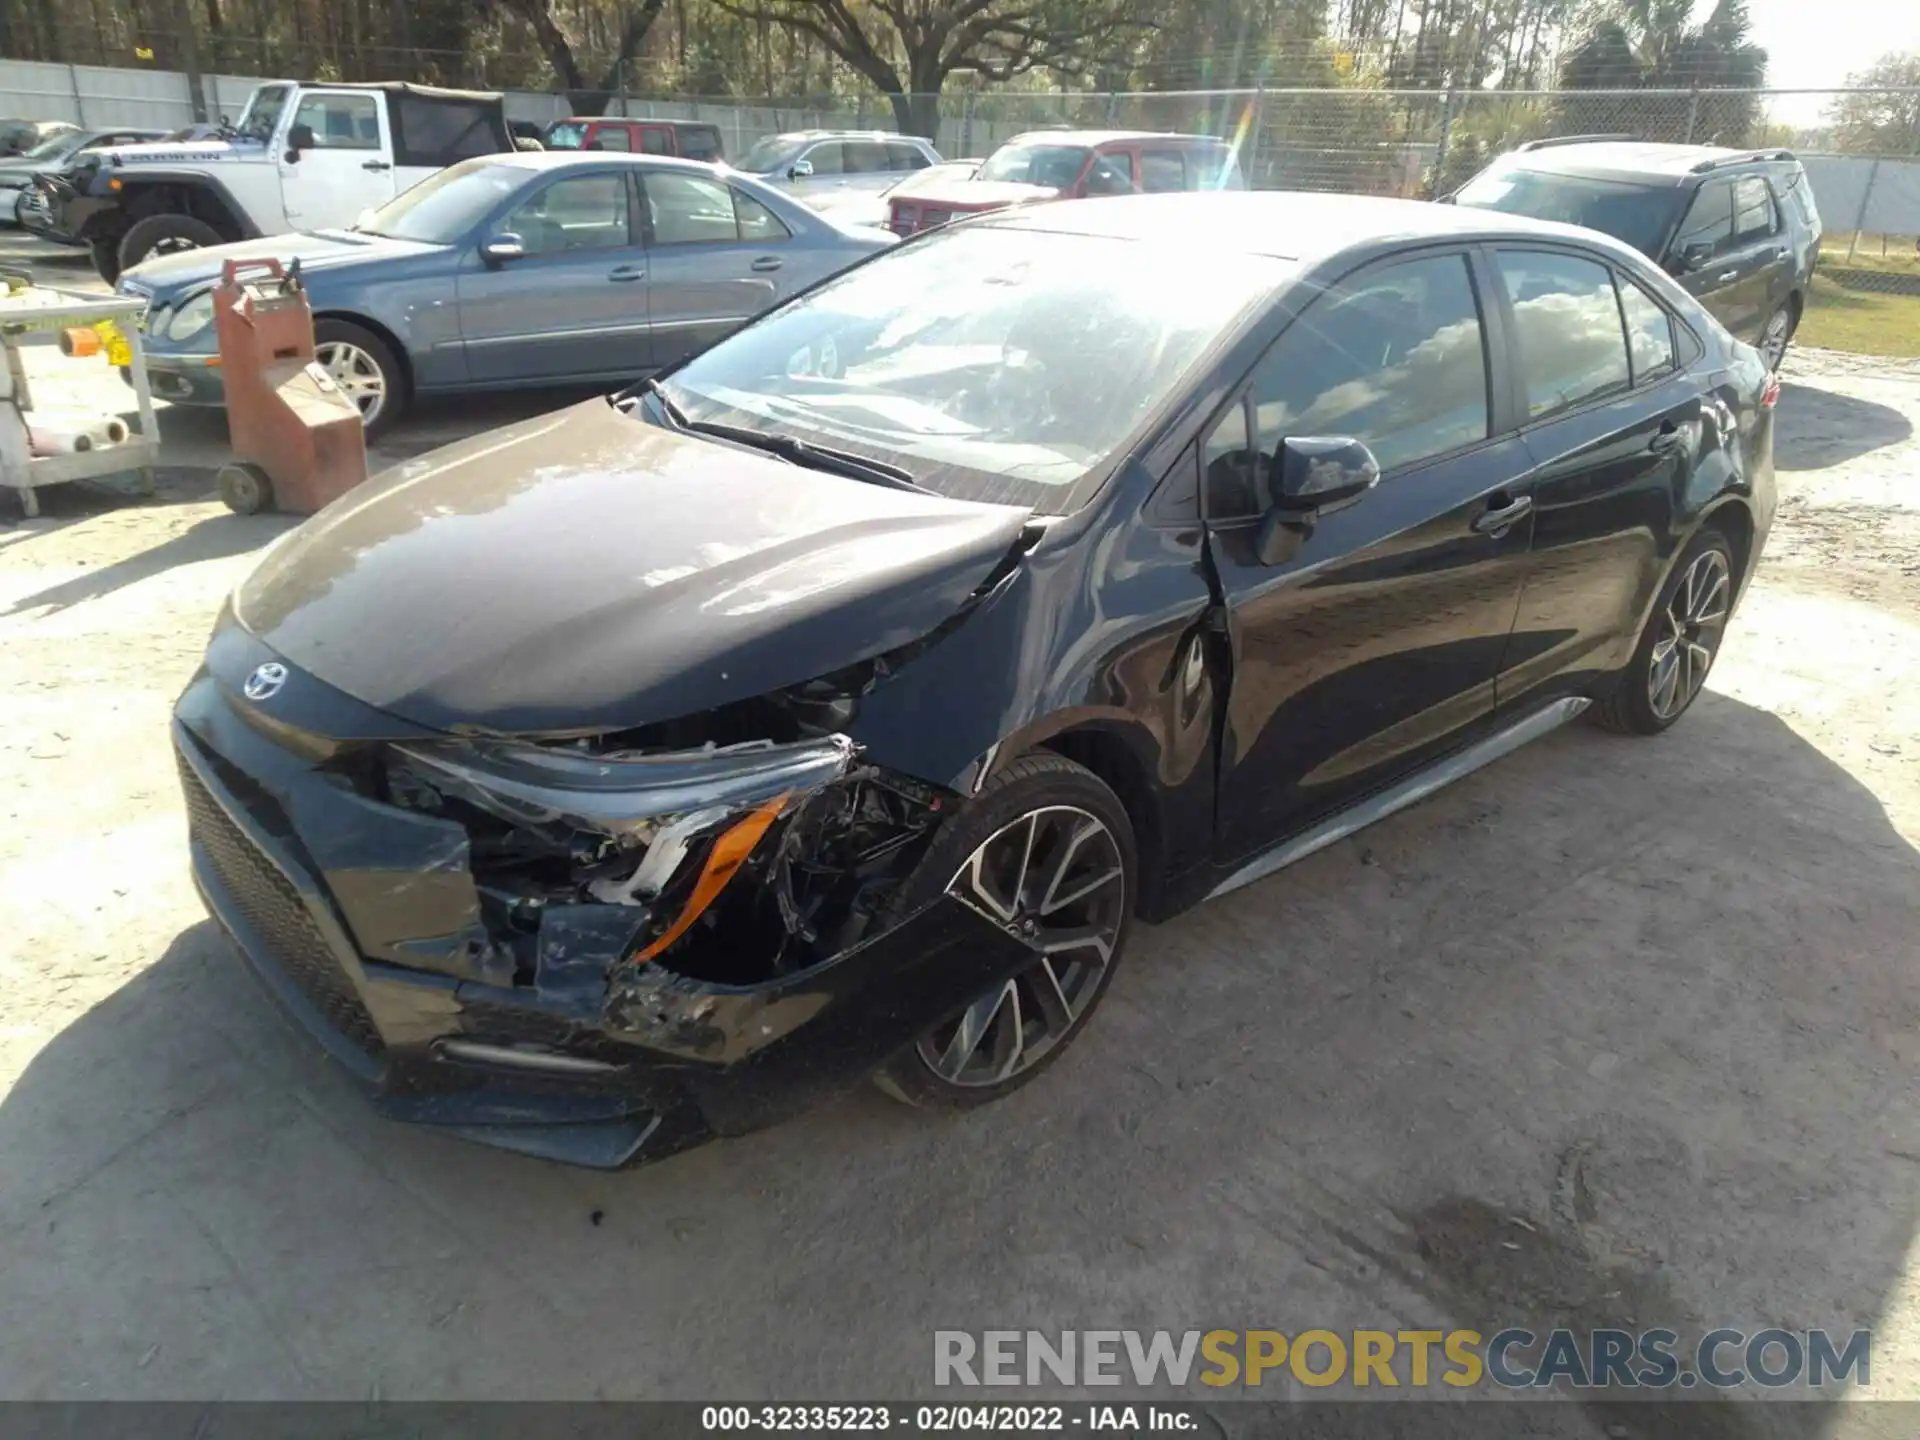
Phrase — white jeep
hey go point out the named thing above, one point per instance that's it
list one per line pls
(303, 157)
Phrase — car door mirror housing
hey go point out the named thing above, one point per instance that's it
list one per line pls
(800, 170)
(501, 249)
(299, 138)
(1314, 474)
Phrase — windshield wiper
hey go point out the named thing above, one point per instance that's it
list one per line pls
(790, 448)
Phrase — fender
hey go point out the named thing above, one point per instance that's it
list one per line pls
(146, 179)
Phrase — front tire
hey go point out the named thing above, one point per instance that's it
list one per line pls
(1677, 650)
(165, 235)
(1047, 852)
(106, 259)
(364, 366)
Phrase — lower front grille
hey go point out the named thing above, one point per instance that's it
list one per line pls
(277, 914)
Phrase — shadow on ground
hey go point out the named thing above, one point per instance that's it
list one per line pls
(1615, 1033)
(1820, 428)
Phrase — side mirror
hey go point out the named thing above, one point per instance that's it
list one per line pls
(1318, 474)
(364, 218)
(800, 170)
(299, 138)
(502, 248)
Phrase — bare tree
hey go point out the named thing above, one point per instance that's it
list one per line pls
(1883, 123)
(587, 96)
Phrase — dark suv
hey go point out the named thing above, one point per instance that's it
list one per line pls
(1737, 228)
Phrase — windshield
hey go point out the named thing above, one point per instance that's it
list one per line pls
(64, 143)
(1641, 215)
(1055, 165)
(989, 364)
(768, 155)
(566, 134)
(444, 208)
(262, 113)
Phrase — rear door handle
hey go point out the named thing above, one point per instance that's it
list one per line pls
(1726, 275)
(1666, 437)
(626, 272)
(1501, 513)
(766, 263)
(375, 165)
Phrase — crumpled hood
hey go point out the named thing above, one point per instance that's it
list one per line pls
(589, 571)
(316, 250)
(976, 194)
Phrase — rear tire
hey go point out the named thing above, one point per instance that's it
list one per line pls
(1776, 335)
(1068, 881)
(1682, 639)
(165, 235)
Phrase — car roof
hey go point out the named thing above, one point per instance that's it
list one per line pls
(636, 120)
(1288, 224)
(568, 159)
(1637, 159)
(804, 135)
(1106, 137)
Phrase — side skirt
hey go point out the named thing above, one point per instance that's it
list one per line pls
(1410, 791)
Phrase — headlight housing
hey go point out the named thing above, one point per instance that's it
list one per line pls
(191, 318)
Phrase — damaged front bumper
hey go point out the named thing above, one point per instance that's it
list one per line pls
(364, 921)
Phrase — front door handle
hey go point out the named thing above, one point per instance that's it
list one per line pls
(766, 263)
(1725, 276)
(1501, 513)
(375, 165)
(626, 272)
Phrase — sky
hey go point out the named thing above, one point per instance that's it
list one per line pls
(1817, 43)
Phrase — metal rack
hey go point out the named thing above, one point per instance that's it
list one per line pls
(40, 323)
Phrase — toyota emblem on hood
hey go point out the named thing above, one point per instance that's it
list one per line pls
(265, 682)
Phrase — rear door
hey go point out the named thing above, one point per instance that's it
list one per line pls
(1374, 647)
(716, 257)
(1610, 418)
(1761, 255)
(574, 306)
(348, 169)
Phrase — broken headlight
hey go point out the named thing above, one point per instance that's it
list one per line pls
(627, 828)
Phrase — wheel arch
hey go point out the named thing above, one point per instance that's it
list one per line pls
(1734, 520)
(199, 196)
(1118, 761)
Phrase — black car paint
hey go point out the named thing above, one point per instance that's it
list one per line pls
(1229, 704)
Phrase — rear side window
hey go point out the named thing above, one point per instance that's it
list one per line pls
(1649, 332)
(1754, 217)
(1394, 357)
(435, 131)
(1162, 171)
(1796, 195)
(1709, 220)
(655, 141)
(756, 221)
(1573, 346)
(698, 142)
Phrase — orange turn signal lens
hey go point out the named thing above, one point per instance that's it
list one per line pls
(729, 853)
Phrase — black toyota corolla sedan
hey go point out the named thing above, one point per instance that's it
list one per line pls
(831, 706)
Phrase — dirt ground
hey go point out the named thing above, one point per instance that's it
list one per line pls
(1616, 1032)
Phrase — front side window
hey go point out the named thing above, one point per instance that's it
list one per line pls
(1111, 175)
(865, 157)
(1227, 468)
(901, 156)
(1394, 358)
(654, 141)
(989, 363)
(775, 152)
(690, 210)
(1709, 221)
(565, 135)
(611, 137)
(1649, 332)
(827, 159)
(1571, 342)
(262, 113)
(1754, 218)
(582, 212)
(341, 122)
(1162, 171)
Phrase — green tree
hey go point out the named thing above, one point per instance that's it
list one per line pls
(1653, 45)
(1881, 123)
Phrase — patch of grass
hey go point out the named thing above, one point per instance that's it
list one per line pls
(1865, 322)
(1900, 255)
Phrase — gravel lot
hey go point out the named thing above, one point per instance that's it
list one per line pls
(1616, 1032)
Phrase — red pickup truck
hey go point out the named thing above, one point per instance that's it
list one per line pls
(688, 139)
(1068, 165)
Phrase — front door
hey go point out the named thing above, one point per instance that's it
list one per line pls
(715, 258)
(574, 305)
(1702, 254)
(348, 169)
(1374, 647)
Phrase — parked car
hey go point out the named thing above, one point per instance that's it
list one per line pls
(866, 207)
(19, 136)
(819, 163)
(1737, 228)
(832, 705)
(688, 139)
(58, 153)
(532, 268)
(1072, 164)
(301, 158)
